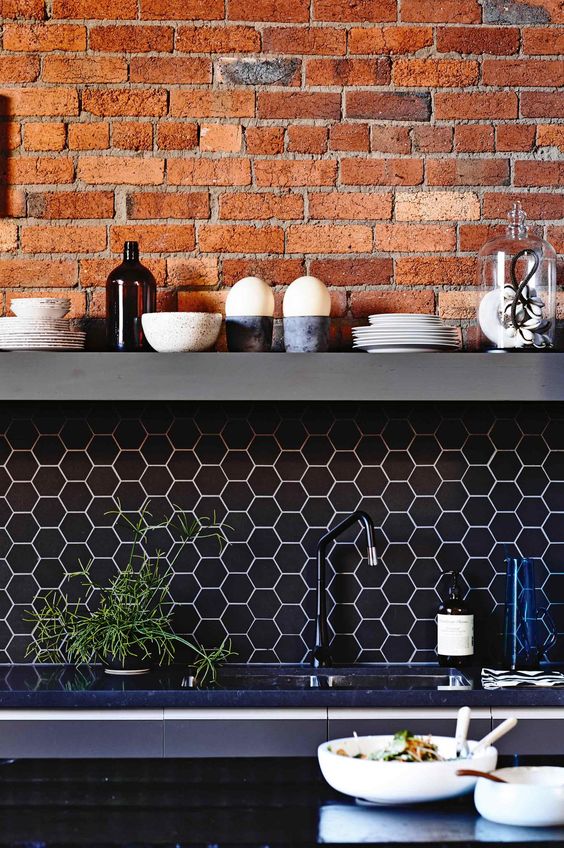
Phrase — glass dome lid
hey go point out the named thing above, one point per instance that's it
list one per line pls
(517, 273)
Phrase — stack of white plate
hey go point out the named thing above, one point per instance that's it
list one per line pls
(404, 333)
(40, 325)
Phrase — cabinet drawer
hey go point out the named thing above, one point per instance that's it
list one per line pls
(372, 722)
(75, 734)
(244, 733)
(540, 731)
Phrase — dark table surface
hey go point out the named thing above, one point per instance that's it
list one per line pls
(245, 802)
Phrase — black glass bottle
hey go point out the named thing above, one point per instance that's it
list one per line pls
(131, 291)
(455, 629)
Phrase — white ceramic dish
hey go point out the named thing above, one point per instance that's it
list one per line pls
(533, 797)
(394, 782)
(403, 316)
(40, 307)
(176, 332)
(405, 334)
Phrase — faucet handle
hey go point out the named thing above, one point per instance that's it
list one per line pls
(372, 555)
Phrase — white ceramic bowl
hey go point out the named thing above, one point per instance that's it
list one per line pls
(534, 797)
(395, 782)
(175, 332)
(40, 307)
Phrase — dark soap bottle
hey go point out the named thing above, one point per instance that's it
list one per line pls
(455, 629)
(131, 291)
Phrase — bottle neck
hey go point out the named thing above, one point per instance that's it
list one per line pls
(131, 251)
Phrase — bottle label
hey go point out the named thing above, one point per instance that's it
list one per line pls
(455, 635)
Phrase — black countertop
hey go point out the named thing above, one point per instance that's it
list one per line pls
(249, 802)
(60, 687)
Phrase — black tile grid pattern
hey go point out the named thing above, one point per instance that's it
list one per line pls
(447, 486)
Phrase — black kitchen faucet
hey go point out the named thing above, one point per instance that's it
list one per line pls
(321, 655)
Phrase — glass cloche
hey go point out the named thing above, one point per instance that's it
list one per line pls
(517, 273)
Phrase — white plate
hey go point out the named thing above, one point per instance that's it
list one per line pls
(372, 331)
(39, 346)
(534, 797)
(408, 348)
(402, 316)
(406, 337)
(406, 325)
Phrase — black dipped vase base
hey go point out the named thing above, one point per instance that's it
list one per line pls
(249, 333)
(306, 334)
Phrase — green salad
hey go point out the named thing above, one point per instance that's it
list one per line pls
(404, 747)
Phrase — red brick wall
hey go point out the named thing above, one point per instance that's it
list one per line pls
(373, 143)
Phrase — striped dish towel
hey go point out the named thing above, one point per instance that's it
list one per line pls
(496, 678)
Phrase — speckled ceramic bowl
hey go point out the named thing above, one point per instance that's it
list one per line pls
(176, 332)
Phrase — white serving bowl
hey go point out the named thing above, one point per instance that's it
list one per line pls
(395, 782)
(175, 332)
(533, 797)
(40, 307)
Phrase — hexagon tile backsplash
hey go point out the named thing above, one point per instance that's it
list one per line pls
(447, 486)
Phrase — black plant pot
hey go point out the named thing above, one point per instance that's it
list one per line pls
(134, 663)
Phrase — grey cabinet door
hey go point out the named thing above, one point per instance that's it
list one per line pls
(80, 733)
(540, 730)
(372, 722)
(244, 732)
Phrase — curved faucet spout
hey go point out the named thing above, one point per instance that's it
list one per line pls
(321, 654)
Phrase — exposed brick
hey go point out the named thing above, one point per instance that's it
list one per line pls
(305, 41)
(285, 11)
(515, 12)
(539, 173)
(221, 138)
(149, 204)
(44, 37)
(538, 206)
(131, 39)
(272, 271)
(350, 137)
(441, 73)
(41, 170)
(386, 139)
(401, 238)
(170, 70)
(364, 303)
(203, 103)
(11, 135)
(44, 135)
(13, 203)
(258, 71)
(179, 10)
(328, 238)
(473, 236)
(555, 235)
(381, 171)
(388, 106)
(26, 272)
(485, 105)
(271, 104)
(177, 136)
(449, 11)
(71, 204)
(431, 271)
(132, 135)
(294, 173)
(121, 101)
(192, 271)
(467, 172)
(515, 137)
(95, 9)
(38, 102)
(389, 39)
(94, 272)
(77, 299)
(265, 140)
(304, 139)
(550, 135)
(120, 170)
(244, 206)
(205, 39)
(207, 172)
(354, 10)
(202, 301)
(154, 238)
(500, 41)
(542, 41)
(68, 69)
(348, 72)
(8, 236)
(91, 136)
(522, 72)
(437, 206)
(364, 272)
(474, 138)
(459, 304)
(22, 9)
(350, 206)
(542, 104)
(432, 139)
(67, 238)
(18, 69)
(237, 238)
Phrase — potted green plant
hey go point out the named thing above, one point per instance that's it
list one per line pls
(127, 623)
